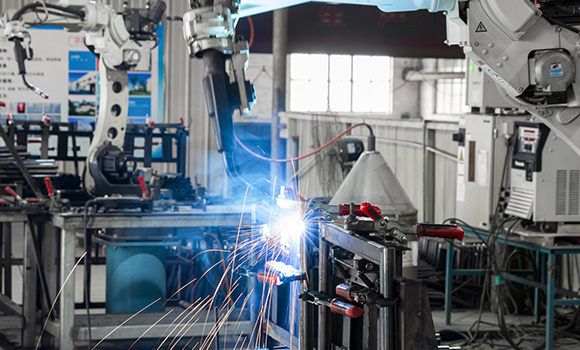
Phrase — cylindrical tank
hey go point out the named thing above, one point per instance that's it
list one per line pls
(135, 278)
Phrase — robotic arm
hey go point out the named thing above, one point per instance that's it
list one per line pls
(531, 50)
(530, 47)
(209, 31)
(123, 42)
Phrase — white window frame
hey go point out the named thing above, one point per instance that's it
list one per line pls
(451, 94)
(329, 81)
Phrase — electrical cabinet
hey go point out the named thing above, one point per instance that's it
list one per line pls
(481, 156)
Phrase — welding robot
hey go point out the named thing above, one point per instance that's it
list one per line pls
(123, 42)
(529, 47)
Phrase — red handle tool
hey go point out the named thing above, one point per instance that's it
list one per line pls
(144, 191)
(49, 188)
(269, 277)
(441, 231)
(345, 210)
(339, 307)
(13, 193)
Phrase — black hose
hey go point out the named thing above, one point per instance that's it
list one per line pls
(214, 62)
(24, 9)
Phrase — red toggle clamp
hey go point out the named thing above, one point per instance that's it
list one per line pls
(340, 307)
(358, 210)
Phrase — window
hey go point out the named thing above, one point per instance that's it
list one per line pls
(339, 83)
(451, 93)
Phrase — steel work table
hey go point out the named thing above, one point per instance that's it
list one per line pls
(23, 316)
(545, 260)
(68, 329)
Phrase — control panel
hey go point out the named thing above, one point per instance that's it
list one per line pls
(530, 141)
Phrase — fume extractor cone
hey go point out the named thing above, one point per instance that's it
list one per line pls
(372, 180)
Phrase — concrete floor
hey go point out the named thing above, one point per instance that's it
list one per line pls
(463, 321)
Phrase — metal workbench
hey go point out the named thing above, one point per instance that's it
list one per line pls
(69, 329)
(21, 317)
(546, 263)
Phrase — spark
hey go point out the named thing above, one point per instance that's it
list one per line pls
(124, 322)
(57, 296)
(148, 329)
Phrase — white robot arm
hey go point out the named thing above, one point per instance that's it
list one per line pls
(123, 42)
(530, 47)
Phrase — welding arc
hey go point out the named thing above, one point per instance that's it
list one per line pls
(306, 155)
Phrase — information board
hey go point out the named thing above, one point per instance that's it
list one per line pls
(68, 72)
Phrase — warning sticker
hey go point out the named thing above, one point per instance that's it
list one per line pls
(556, 69)
(480, 28)
(460, 190)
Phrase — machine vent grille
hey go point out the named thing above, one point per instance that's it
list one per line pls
(521, 202)
(573, 201)
(561, 187)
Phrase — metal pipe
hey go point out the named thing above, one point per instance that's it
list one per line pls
(414, 75)
(279, 50)
(323, 329)
(386, 314)
(306, 322)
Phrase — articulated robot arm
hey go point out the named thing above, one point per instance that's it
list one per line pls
(209, 30)
(123, 42)
(530, 47)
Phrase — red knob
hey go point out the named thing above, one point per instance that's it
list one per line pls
(339, 307)
(144, 192)
(441, 231)
(49, 188)
(2, 104)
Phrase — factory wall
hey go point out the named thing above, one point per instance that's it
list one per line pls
(400, 139)
(401, 144)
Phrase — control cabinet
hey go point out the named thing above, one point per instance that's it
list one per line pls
(481, 156)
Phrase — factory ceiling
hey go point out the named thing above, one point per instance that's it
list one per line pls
(348, 29)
